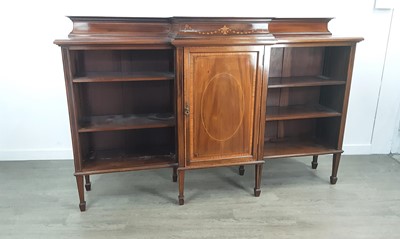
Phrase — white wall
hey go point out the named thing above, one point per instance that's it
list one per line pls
(33, 110)
(388, 114)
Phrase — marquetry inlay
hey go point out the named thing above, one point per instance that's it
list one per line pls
(227, 109)
(224, 30)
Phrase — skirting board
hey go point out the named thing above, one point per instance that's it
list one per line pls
(35, 154)
(57, 154)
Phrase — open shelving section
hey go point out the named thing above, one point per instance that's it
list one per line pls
(306, 91)
(125, 103)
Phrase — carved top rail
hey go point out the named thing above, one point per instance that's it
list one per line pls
(197, 30)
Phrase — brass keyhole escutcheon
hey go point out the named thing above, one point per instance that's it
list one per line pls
(187, 110)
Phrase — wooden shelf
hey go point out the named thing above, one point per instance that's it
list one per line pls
(118, 161)
(294, 148)
(301, 81)
(92, 77)
(123, 122)
(299, 112)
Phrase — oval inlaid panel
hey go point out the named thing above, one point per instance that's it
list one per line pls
(222, 107)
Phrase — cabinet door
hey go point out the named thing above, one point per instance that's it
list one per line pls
(223, 88)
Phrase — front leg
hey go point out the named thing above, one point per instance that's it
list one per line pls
(335, 167)
(81, 192)
(181, 179)
(258, 174)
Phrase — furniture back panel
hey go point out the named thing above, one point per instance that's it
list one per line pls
(140, 142)
(104, 61)
(126, 98)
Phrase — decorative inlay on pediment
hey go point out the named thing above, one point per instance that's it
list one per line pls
(224, 30)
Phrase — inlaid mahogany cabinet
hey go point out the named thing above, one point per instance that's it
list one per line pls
(191, 93)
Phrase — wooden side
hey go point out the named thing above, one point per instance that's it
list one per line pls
(180, 104)
(72, 107)
(263, 100)
(349, 67)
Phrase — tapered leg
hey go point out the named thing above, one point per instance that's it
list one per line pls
(258, 174)
(88, 184)
(81, 192)
(335, 167)
(174, 174)
(241, 170)
(314, 163)
(181, 179)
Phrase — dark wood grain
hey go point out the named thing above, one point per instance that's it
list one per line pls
(237, 89)
(120, 161)
(123, 122)
(299, 112)
(281, 27)
(295, 148)
(92, 77)
(151, 141)
(307, 99)
(302, 81)
(123, 98)
(222, 85)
